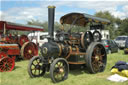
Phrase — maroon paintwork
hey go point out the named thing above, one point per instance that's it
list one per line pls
(10, 46)
(15, 26)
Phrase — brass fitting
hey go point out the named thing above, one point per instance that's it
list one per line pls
(51, 7)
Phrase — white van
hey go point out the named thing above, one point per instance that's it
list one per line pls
(39, 37)
(120, 40)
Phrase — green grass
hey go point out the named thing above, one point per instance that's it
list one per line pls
(19, 75)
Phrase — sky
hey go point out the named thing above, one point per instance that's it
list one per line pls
(21, 11)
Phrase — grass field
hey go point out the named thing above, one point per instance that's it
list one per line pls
(19, 75)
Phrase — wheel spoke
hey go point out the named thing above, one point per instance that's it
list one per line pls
(35, 72)
(101, 57)
(38, 61)
(33, 69)
(33, 64)
(39, 71)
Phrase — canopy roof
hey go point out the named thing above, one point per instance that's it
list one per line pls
(16, 26)
(81, 19)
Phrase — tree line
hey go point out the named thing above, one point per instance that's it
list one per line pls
(117, 26)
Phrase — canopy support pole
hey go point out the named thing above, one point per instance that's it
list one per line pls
(4, 28)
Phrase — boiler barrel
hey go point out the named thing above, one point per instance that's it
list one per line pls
(50, 49)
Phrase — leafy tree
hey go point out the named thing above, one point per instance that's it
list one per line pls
(115, 22)
(123, 28)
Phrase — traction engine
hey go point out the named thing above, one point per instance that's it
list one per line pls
(69, 48)
(13, 47)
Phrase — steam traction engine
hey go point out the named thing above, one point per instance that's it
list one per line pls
(70, 48)
(14, 46)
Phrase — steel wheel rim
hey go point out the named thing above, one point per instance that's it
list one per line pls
(60, 71)
(6, 64)
(37, 68)
(98, 58)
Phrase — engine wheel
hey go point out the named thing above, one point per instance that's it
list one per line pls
(59, 70)
(86, 39)
(6, 64)
(28, 50)
(23, 39)
(36, 68)
(96, 57)
(97, 36)
(2, 55)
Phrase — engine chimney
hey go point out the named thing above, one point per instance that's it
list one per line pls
(51, 13)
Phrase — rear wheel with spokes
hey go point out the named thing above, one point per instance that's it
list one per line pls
(28, 50)
(96, 58)
(59, 70)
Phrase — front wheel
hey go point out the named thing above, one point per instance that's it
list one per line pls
(96, 57)
(36, 68)
(59, 70)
